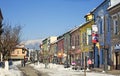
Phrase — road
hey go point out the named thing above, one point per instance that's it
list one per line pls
(29, 71)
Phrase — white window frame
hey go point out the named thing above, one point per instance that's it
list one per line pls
(115, 26)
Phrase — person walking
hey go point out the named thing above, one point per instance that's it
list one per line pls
(89, 63)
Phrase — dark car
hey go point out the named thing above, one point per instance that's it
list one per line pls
(10, 62)
(66, 64)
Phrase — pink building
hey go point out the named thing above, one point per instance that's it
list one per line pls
(60, 49)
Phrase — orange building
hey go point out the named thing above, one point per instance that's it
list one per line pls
(19, 53)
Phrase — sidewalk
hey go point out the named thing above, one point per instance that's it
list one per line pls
(113, 72)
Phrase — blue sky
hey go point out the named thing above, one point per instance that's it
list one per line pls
(43, 18)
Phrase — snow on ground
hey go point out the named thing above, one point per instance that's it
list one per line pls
(13, 70)
(59, 70)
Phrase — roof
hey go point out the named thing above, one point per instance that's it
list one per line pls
(98, 6)
(80, 26)
(75, 29)
(109, 8)
(20, 47)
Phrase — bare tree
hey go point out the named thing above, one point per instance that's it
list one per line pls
(9, 39)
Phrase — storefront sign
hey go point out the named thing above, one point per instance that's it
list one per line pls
(94, 28)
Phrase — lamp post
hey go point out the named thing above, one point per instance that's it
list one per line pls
(85, 65)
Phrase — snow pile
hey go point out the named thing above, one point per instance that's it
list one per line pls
(59, 70)
(13, 70)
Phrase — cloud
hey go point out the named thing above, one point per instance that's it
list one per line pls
(32, 44)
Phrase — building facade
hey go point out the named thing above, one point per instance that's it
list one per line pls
(53, 52)
(86, 41)
(60, 49)
(67, 46)
(102, 21)
(114, 11)
(75, 44)
(19, 53)
(45, 48)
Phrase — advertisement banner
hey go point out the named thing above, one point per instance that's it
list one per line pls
(94, 38)
(94, 28)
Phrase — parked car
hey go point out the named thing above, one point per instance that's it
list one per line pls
(2, 64)
(66, 64)
(10, 62)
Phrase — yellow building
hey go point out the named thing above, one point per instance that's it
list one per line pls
(19, 53)
(86, 38)
(53, 51)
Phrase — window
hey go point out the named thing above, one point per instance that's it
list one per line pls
(83, 38)
(101, 27)
(17, 52)
(89, 39)
(78, 40)
(115, 26)
(115, 23)
(75, 40)
(108, 22)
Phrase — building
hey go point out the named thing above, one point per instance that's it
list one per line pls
(102, 22)
(60, 49)
(45, 48)
(19, 53)
(67, 47)
(114, 11)
(53, 52)
(75, 44)
(86, 40)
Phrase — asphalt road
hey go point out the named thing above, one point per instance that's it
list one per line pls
(29, 71)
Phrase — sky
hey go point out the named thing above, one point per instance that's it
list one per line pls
(43, 18)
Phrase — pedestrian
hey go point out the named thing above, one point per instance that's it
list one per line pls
(21, 63)
(24, 62)
(89, 63)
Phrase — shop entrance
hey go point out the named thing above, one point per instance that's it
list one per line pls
(118, 60)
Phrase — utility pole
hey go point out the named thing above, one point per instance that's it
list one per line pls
(105, 48)
(85, 65)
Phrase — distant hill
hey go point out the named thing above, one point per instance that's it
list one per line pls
(32, 44)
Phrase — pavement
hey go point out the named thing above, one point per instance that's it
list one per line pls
(30, 71)
(113, 72)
